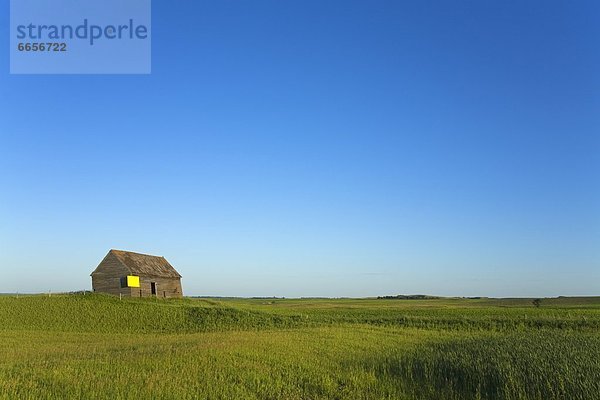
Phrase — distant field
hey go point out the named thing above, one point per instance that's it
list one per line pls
(95, 346)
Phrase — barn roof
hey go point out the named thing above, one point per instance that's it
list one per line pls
(145, 265)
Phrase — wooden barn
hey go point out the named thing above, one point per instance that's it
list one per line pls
(136, 275)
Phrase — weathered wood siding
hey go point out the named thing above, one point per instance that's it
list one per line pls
(107, 277)
(165, 287)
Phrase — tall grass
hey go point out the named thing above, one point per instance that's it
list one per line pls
(103, 313)
(538, 365)
(106, 314)
(96, 347)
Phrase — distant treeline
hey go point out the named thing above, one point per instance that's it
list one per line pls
(409, 297)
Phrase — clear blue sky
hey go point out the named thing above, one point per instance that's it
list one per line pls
(319, 148)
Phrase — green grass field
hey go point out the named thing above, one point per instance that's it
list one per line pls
(95, 346)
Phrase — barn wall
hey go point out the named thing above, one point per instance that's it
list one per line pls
(107, 277)
(165, 287)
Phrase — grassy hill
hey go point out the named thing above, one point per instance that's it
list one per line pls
(96, 346)
(105, 314)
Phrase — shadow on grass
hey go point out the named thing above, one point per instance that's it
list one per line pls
(535, 365)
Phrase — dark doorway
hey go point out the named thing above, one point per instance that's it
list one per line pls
(153, 287)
